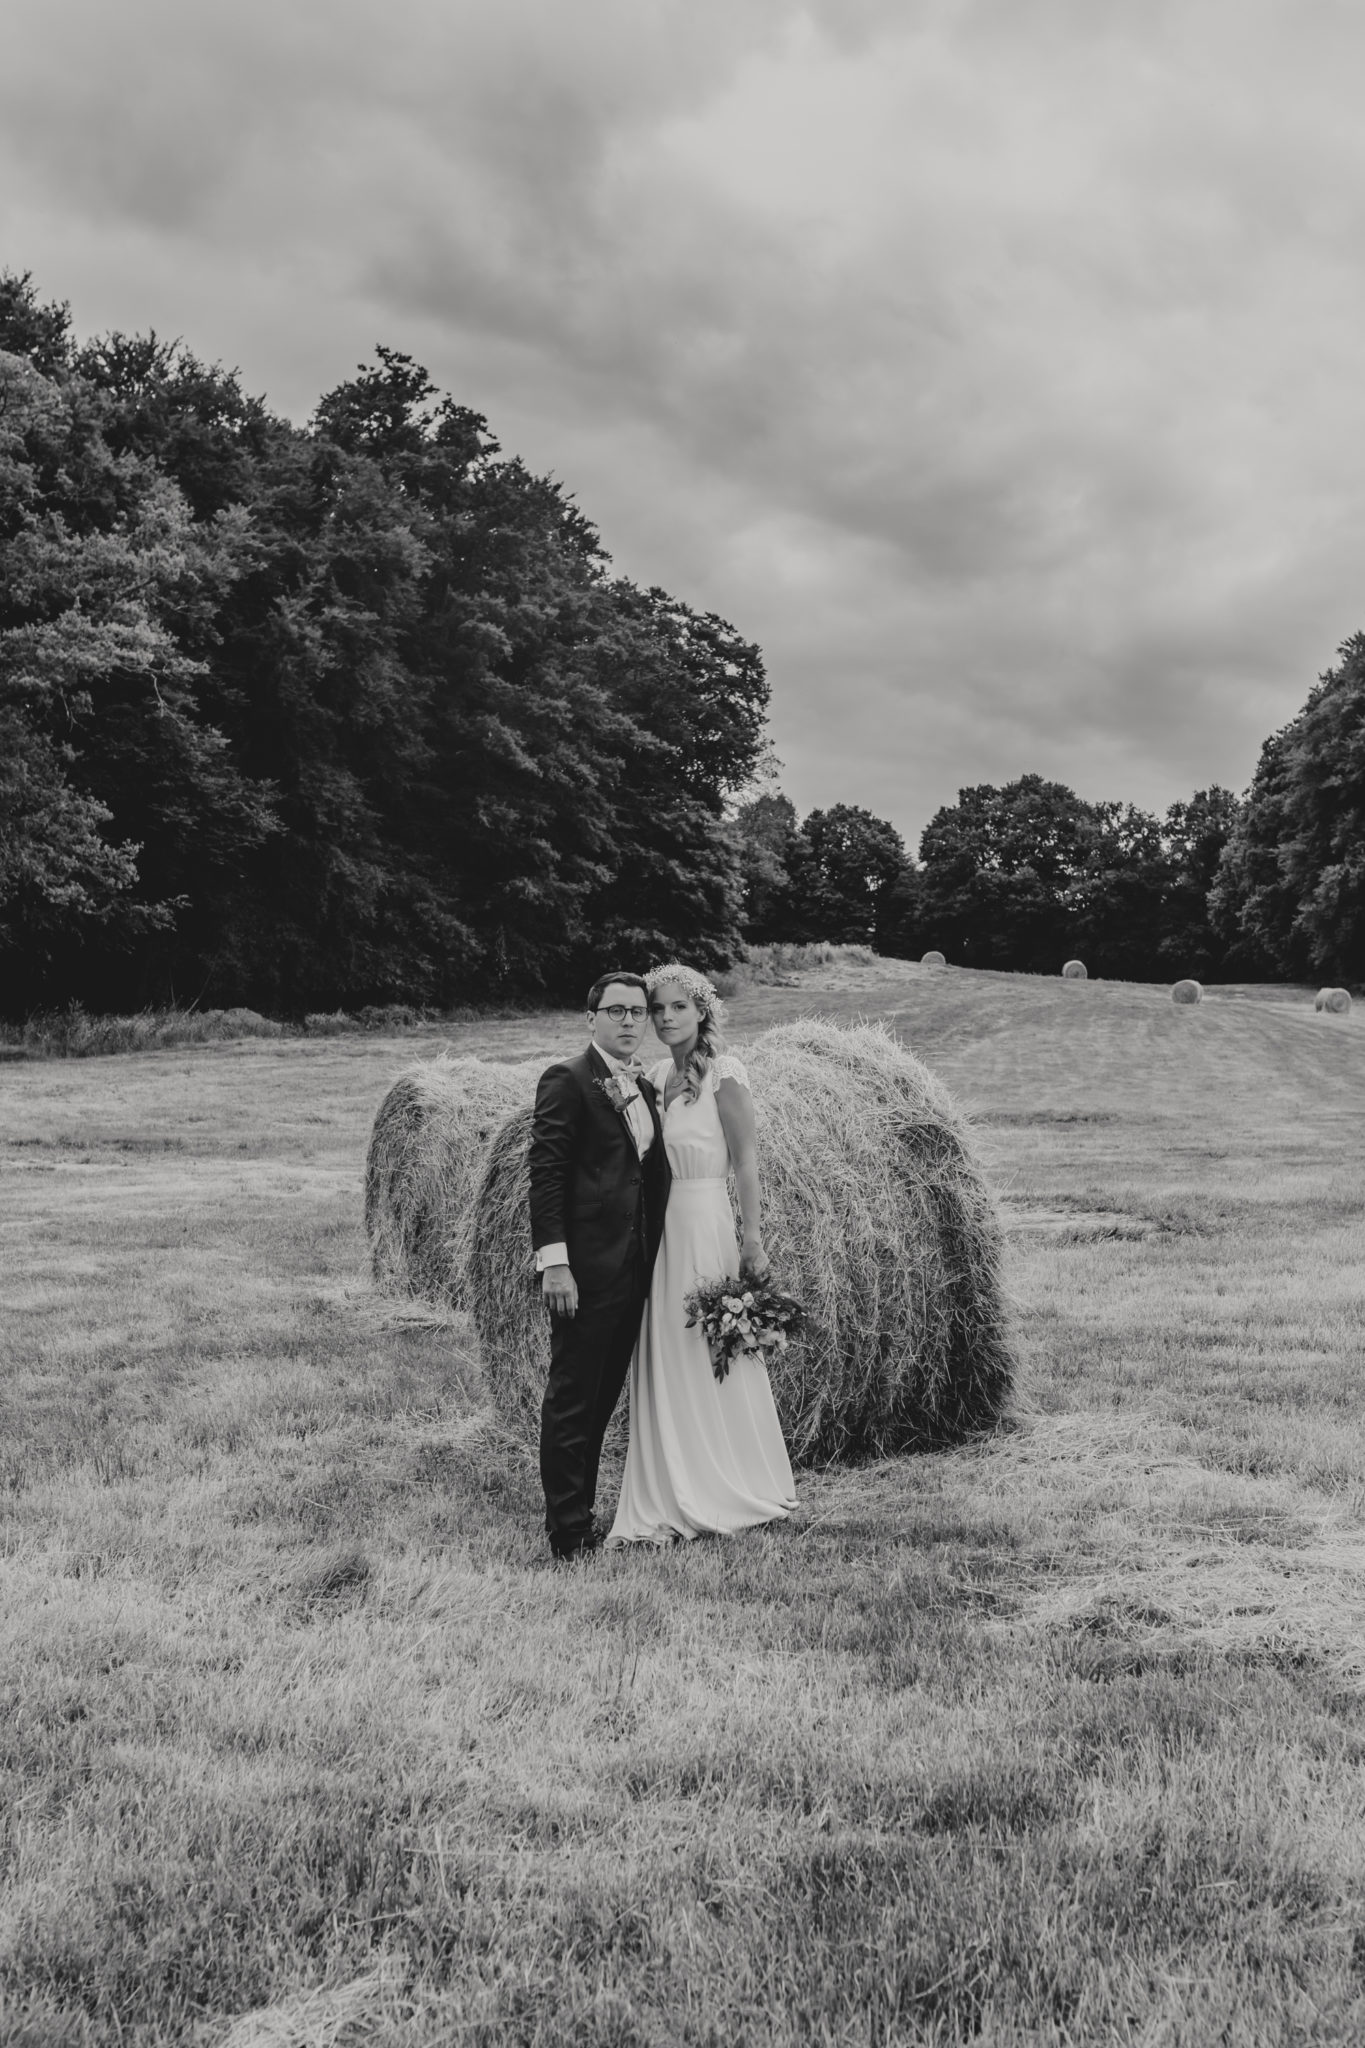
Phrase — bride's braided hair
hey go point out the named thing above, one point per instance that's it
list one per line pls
(710, 1035)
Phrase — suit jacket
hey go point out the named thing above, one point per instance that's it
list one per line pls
(590, 1189)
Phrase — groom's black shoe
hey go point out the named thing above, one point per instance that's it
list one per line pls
(586, 1545)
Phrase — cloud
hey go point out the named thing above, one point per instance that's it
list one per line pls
(993, 366)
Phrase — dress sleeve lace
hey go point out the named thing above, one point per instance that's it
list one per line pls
(725, 1067)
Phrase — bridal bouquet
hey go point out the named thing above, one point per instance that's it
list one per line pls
(738, 1315)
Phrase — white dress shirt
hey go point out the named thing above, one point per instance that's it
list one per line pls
(641, 1130)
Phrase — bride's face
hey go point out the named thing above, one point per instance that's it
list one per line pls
(675, 1016)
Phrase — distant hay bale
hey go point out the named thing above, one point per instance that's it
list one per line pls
(1075, 970)
(932, 960)
(426, 1158)
(876, 1213)
(1336, 1000)
(1187, 992)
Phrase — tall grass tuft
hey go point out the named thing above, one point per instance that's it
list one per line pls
(425, 1160)
(73, 1034)
(372, 1017)
(876, 1213)
(777, 964)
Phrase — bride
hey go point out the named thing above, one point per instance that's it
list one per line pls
(705, 1456)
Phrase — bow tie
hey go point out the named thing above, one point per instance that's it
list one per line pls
(634, 1070)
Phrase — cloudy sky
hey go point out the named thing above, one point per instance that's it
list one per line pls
(994, 363)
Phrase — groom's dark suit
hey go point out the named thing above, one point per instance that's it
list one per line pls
(591, 1191)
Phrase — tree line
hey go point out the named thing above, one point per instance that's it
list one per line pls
(314, 717)
(347, 713)
(1023, 876)
(1266, 886)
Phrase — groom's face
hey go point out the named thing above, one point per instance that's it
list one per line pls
(620, 1036)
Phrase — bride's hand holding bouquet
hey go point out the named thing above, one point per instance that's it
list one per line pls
(754, 1263)
(741, 1315)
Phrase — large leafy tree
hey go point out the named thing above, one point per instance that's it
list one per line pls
(60, 875)
(1113, 908)
(587, 731)
(695, 694)
(1290, 891)
(190, 419)
(38, 333)
(122, 804)
(765, 832)
(1196, 832)
(1001, 868)
(844, 864)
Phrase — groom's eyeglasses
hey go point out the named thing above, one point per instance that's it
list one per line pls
(619, 1011)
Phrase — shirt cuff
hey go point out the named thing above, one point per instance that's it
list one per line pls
(551, 1255)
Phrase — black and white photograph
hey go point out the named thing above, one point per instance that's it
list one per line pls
(682, 967)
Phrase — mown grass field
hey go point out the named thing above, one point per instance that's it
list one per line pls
(1057, 1738)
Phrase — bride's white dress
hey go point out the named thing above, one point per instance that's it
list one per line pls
(705, 1456)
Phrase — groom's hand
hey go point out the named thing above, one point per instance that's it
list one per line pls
(560, 1291)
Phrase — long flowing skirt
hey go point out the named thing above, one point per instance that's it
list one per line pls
(705, 1456)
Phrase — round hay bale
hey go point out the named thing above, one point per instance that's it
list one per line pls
(1187, 992)
(932, 960)
(877, 1215)
(1075, 970)
(425, 1160)
(1337, 1001)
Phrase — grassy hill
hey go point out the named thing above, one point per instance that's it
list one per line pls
(1057, 1738)
(1070, 1043)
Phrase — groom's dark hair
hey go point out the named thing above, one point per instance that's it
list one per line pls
(604, 981)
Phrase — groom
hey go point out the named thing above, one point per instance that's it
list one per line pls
(599, 1183)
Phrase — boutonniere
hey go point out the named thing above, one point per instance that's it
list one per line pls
(620, 1090)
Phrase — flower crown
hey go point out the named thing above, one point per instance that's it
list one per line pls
(696, 984)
